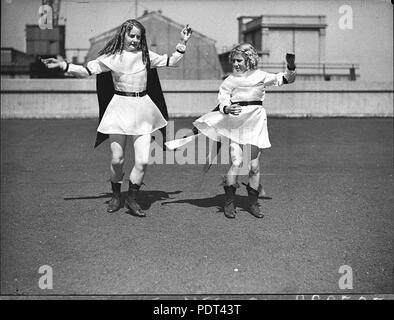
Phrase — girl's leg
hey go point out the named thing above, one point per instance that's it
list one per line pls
(254, 168)
(254, 183)
(141, 158)
(236, 162)
(231, 180)
(117, 146)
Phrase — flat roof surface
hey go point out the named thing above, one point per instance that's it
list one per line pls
(328, 203)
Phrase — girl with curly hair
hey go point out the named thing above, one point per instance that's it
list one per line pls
(131, 112)
(242, 119)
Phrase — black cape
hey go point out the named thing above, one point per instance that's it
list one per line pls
(105, 92)
(210, 157)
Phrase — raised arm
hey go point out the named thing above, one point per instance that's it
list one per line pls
(281, 78)
(157, 61)
(92, 67)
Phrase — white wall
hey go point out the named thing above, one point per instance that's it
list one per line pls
(26, 98)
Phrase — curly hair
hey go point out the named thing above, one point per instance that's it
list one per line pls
(117, 41)
(248, 52)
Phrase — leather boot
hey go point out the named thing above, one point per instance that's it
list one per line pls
(114, 203)
(131, 200)
(229, 206)
(253, 201)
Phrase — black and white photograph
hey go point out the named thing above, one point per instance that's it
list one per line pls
(197, 150)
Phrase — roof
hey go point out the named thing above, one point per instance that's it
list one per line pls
(145, 17)
(201, 63)
(13, 50)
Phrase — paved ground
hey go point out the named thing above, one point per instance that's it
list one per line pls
(329, 185)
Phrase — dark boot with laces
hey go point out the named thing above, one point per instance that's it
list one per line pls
(229, 205)
(114, 203)
(253, 195)
(131, 200)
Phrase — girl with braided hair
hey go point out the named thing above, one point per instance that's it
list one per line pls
(130, 112)
(241, 118)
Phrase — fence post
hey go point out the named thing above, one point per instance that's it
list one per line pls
(352, 71)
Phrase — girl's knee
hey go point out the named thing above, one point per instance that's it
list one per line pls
(141, 166)
(117, 160)
(254, 170)
(237, 163)
(236, 160)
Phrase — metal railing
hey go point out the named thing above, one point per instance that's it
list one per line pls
(325, 70)
(76, 55)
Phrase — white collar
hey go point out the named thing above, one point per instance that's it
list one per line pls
(124, 62)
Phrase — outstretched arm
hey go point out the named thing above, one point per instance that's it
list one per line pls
(165, 61)
(92, 67)
(288, 76)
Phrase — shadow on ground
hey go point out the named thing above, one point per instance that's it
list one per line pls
(217, 201)
(145, 198)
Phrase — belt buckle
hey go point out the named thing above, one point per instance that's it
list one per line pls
(137, 94)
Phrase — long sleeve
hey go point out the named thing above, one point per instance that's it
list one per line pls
(92, 67)
(278, 79)
(157, 60)
(224, 96)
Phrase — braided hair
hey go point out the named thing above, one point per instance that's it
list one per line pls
(117, 41)
(248, 52)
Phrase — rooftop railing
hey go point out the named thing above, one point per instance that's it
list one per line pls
(325, 70)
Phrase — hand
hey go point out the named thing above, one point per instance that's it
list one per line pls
(234, 109)
(52, 63)
(186, 33)
(290, 60)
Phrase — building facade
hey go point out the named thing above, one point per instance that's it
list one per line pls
(357, 31)
(15, 64)
(201, 60)
(305, 35)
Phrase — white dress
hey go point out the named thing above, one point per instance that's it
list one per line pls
(250, 126)
(128, 115)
